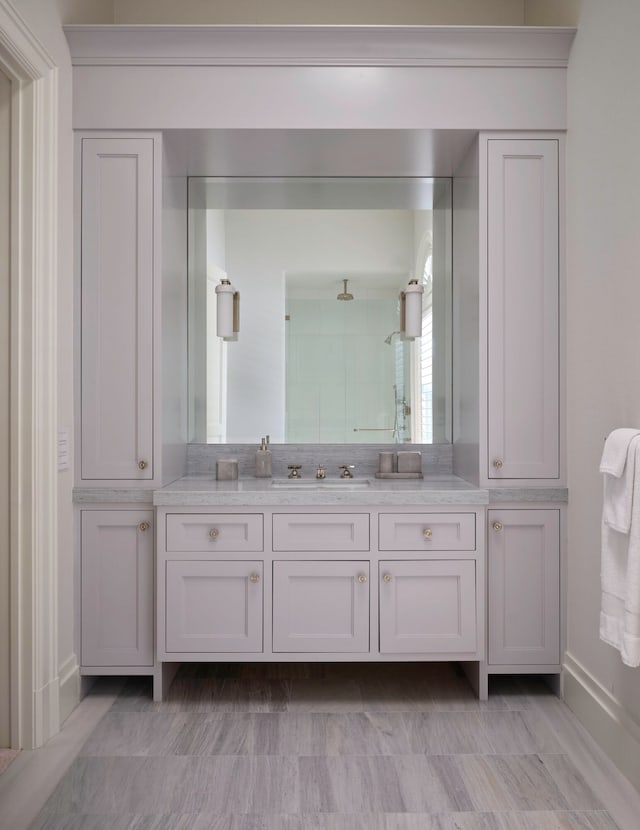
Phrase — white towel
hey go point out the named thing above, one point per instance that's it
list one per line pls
(618, 466)
(620, 572)
(614, 455)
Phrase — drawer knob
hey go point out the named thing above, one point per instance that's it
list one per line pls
(387, 577)
(144, 526)
(254, 578)
(362, 577)
(142, 465)
(427, 533)
(497, 464)
(214, 533)
(497, 526)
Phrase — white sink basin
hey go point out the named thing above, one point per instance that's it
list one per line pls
(320, 484)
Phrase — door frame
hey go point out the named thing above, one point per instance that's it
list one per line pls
(33, 554)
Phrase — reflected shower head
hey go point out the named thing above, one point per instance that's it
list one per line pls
(345, 295)
(388, 339)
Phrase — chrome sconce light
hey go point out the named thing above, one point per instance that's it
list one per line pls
(228, 311)
(411, 310)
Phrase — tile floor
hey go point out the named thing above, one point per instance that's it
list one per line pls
(331, 747)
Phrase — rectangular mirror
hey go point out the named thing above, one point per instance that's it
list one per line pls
(320, 264)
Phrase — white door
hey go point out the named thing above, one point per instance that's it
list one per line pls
(321, 606)
(214, 606)
(428, 607)
(5, 339)
(523, 309)
(117, 308)
(117, 587)
(524, 587)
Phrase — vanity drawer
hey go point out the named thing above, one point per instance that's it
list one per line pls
(321, 531)
(427, 531)
(227, 532)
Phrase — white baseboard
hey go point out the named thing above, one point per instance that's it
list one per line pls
(602, 715)
(69, 674)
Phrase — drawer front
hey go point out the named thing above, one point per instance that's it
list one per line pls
(427, 531)
(214, 606)
(321, 531)
(428, 607)
(321, 607)
(212, 532)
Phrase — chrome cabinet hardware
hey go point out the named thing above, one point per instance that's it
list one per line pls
(387, 577)
(142, 465)
(254, 578)
(427, 533)
(497, 526)
(497, 463)
(144, 526)
(362, 577)
(214, 533)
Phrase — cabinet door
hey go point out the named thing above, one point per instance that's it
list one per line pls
(523, 309)
(117, 587)
(213, 606)
(321, 606)
(117, 308)
(428, 607)
(524, 587)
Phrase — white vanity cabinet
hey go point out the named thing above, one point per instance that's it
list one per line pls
(118, 263)
(522, 309)
(524, 589)
(320, 584)
(321, 606)
(117, 590)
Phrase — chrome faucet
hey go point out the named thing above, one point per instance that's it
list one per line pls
(294, 470)
(320, 471)
(346, 470)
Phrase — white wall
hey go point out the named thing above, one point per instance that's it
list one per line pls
(603, 221)
(5, 617)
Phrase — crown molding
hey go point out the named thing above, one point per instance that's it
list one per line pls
(485, 46)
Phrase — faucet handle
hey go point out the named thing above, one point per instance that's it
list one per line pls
(294, 470)
(346, 470)
(320, 473)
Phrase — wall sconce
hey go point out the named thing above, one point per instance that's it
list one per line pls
(228, 311)
(411, 310)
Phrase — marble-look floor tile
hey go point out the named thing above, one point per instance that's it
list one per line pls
(350, 784)
(326, 696)
(448, 733)
(528, 783)
(518, 733)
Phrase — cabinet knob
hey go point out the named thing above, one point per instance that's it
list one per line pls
(142, 465)
(497, 464)
(214, 533)
(497, 526)
(254, 578)
(387, 577)
(427, 533)
(362, 577)
(144, 526)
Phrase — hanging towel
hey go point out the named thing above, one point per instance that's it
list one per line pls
(618, 466)
(620, 571)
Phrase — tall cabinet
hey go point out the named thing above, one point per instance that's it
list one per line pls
(118, 398)
(521, 439)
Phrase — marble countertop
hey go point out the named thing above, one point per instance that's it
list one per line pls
(196, 490)
(438, 489)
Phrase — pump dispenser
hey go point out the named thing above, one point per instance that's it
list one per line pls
(263, 459)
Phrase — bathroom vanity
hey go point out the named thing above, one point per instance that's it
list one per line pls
(465, 566)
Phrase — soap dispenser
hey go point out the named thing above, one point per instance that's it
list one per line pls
(263, 459)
